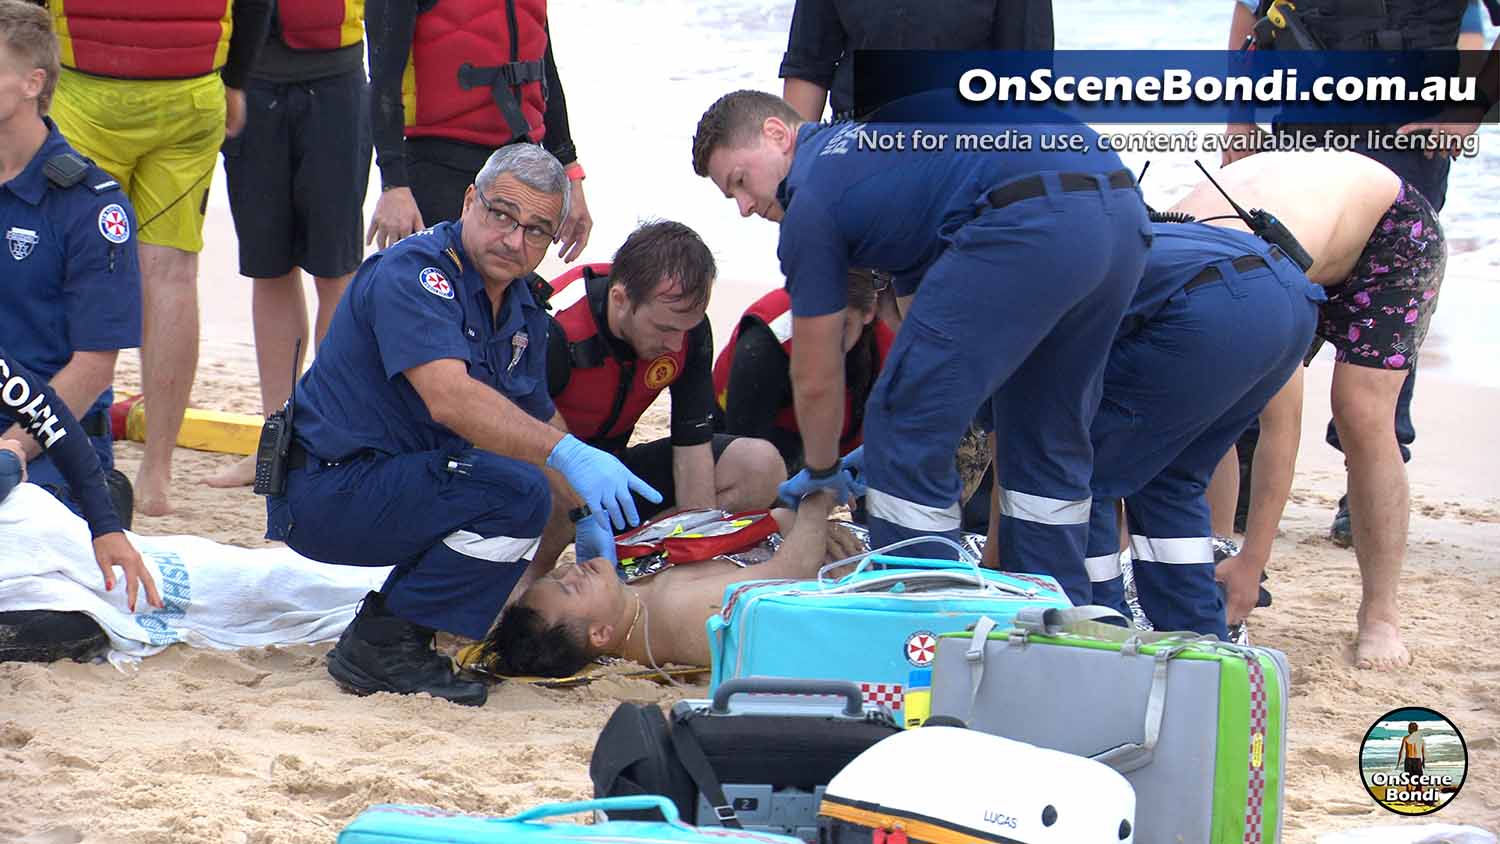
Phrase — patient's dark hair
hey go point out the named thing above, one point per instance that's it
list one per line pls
(524, 643)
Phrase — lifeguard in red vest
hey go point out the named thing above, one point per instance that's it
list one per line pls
(451, 81)
(623, 332)
(752, 378)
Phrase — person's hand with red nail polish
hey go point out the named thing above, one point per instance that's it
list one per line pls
(113, 550)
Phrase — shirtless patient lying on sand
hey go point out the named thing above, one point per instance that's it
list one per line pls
(582, 611)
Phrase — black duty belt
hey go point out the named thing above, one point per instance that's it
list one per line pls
(1207, 275)
(95, 424)
(298, 457)
(1033, 186)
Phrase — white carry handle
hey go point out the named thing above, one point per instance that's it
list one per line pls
(963, 556)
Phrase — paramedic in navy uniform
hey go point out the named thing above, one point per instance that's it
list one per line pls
(70, 290)
(1021, 265)
(422, 427)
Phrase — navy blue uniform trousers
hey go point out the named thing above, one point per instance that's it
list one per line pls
(1019, 310)
(1177, 392)
(459, 527)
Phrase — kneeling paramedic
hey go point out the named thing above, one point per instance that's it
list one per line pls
(1021, 265)
(421, 431)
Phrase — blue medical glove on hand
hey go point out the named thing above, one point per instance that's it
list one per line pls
(854, 464)
(602, 481)
(10, 473)
(593, 539)
(854, 461)
(839, 482)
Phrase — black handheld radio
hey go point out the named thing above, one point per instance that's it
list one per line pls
(1264, 225)
(276, 441)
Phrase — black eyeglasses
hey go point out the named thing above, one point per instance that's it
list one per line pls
(880, 280)
(533, 235)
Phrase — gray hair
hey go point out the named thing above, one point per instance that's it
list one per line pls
(532, 166)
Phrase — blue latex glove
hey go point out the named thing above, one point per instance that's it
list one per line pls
(602, 481)
(803, 484)
(854, 464)
(10, 473)
(592, 539)
(854, 461)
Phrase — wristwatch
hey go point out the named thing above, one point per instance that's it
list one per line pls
(578, 514)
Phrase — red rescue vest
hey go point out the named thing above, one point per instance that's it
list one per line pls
(321, 24)
(475, 73)
(143, 39)
(774, 310)
(604, 397)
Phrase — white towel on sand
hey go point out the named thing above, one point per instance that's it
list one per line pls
(216, 596)
(1430, 833)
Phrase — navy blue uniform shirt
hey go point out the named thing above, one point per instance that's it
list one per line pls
(418, 301)
(72, 278)
(890, 210)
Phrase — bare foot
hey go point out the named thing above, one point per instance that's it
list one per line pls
(151, 497)
(239, 473)
(1379, 647)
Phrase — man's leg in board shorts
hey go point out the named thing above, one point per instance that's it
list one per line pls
(1430, 177)
(173, 130)
(980, 326)
(1376, 320)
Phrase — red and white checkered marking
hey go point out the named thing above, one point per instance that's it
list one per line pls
(1256, 787)
(889, 695)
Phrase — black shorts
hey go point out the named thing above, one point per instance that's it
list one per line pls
(1414, 766)
(297, 176)
(439, 171)
(1378, 316)
(652, 463)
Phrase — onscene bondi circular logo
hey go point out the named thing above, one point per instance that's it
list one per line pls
(1413, 761)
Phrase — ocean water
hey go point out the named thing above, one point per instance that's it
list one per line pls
(638, 76)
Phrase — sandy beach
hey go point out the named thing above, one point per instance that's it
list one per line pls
(260, 747)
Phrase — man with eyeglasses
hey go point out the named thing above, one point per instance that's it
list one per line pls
(627, 330)
(424, 435)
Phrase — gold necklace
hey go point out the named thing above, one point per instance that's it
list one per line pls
(639, 605)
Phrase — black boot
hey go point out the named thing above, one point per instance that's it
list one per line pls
(50, 635)
(380, 652)
(1341, 533)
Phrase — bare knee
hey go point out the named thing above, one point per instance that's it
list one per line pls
(1364, 406)
(330, 289)
(748, 473)
(167, 265)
